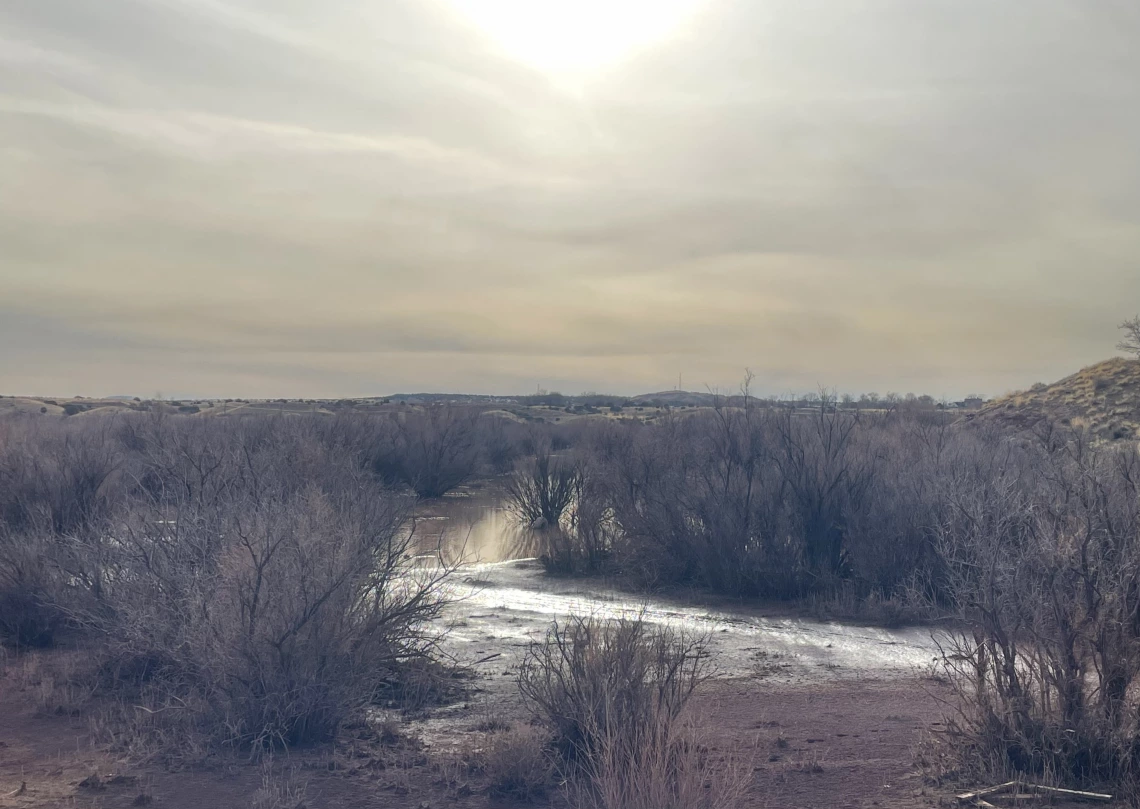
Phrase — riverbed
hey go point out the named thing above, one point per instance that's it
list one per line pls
(502, 602)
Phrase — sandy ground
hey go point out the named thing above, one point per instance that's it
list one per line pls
(822, 714)
(842, 743)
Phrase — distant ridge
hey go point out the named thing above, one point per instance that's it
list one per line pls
(675, 398)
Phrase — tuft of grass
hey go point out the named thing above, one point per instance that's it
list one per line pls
(518, 763)
(279, 789)
(670, 767)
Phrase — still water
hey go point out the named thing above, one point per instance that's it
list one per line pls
(503, 602)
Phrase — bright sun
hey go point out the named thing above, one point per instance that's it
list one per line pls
(574, 37)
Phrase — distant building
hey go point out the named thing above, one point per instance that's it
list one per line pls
(969, 403)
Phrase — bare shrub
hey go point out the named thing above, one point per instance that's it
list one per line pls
(821, 474)
(890, 530)
(542, 489)
(567, 507)
(774, 499)
(435, 449)
(589, 528)
(264, 582)
(502, 442)
(518, 763)
(29, 613)
(1130, 343)
(700, 500)
(56, 476)
(1042, 550)
(590, 674)
(614, 695)
(58, 482)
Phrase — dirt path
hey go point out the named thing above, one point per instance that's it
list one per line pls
(848, 743)
(824, 715)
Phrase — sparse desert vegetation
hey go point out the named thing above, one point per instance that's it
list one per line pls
(200, 589)
(1102, 399)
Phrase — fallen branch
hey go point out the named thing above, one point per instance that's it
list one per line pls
(1075, 794)
(976, 798)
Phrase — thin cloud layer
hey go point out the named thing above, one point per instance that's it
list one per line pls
(245, 197)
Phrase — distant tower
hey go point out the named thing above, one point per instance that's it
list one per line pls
(678, 382)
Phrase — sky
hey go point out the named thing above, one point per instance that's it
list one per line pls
(356, 197)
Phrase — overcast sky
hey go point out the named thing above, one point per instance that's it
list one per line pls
(354, 197)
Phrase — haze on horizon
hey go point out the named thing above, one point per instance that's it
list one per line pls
(291, 198)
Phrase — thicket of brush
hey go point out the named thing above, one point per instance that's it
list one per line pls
(1041, 547)
(253, 576)
(751, 501)
(250, 579)
(1031, 541)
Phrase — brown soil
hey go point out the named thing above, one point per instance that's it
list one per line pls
(846, 743)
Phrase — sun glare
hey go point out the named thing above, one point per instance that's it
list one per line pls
(574, 37)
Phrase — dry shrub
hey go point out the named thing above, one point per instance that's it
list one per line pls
(29, 615)
(667, 768)
(613, 696)
(1042, 552)
(502, 440)
(517, 761)
(542, 489)
(435, 449)
(590, 673)
(564, 503)
(262, 583)
(57, 479)
(248, 578)
(57, 476)
(746, 499)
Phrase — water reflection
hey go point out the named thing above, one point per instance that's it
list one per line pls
(472, 526)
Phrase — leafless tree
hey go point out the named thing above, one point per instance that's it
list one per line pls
(1130, 343)
(437, 448)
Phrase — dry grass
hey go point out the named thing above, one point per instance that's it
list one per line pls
(590, 674)
(518, 763)
(668, 767)
(18, 405)
(280, 788)
(613, 697)
(1102, 398)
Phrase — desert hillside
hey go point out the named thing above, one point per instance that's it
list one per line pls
(1105, 398)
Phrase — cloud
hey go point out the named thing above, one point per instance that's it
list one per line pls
(250, 197)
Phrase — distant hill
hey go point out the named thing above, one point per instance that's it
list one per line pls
(1103, 398)
(675, 398)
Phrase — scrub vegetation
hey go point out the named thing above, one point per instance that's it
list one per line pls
(256, 585)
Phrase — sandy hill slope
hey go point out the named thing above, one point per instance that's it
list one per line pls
(675, 398)
(1103, 398)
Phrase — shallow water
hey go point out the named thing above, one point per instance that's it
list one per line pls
(503, 602)
(472, 525)
(501, 607)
